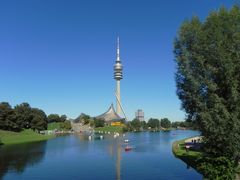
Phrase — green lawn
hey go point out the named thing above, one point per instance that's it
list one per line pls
(9, 137)
(189, 157)
(59, 125)
(118, 129)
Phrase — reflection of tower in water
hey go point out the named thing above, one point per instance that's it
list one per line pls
(115, 152)
(118, 162)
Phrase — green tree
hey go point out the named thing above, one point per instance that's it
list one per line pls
(7, 117)
(39, 121)
(99, 122)
(63, 118)
(136, 124)
(153, 123)
(53, 118)
(56, 118)
(185, 124)
(216, 168)
(208, 79)
(165, 123)
(144, 125)
(23, 115)
(176, 124)
(66, 125)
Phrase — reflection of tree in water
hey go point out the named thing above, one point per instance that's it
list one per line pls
(17, 157)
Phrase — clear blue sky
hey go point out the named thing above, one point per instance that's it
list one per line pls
(58, 55)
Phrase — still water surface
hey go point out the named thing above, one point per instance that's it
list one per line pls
(74, 157)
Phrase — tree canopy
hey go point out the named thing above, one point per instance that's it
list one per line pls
(153, 123)
(166, 123)
(208, 79)
(56, 118)
(23, 116)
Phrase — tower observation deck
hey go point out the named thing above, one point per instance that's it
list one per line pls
(118, 65)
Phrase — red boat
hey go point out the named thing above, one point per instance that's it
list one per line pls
(128, 148)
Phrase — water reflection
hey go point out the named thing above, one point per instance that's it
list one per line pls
(109, 145)
(115, 150)
(15, 158)
(75, 157)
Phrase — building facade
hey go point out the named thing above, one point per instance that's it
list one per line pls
(139, 115)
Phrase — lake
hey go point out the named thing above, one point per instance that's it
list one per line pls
(75, 157)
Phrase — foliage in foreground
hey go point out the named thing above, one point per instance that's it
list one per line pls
(208, 84)
(220, 168)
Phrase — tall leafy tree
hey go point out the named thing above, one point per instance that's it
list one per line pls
(208, 79)
(153, 123)
(53, 118)
(23, 115)
(39, 120)
(136, 124)
(7, 117)
(166, 123)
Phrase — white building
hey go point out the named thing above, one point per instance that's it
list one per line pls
(139, 115)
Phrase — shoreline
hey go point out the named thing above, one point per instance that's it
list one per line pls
(189, 157)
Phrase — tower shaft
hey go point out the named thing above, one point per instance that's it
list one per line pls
(118, 98)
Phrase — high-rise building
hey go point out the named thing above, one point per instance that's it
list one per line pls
(111, 115)
(139, 115)
(118, 76)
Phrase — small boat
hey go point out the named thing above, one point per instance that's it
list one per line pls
(126, 141)
(128, 148)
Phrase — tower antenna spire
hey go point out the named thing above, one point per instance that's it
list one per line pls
(118, 50)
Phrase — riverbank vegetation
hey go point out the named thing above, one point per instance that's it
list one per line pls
(220, 167)
(152, 124)
(22, 123)
(56, 122)
(22, 116)
(28, 135)
(190, 157)
(66, 125)
(208, 80)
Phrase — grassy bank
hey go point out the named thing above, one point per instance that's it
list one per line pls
(66, 125)
(189, 157)
(9, 137)
(117, 129)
